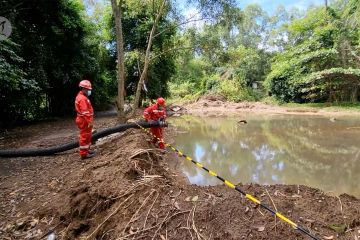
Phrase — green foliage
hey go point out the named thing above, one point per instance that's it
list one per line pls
(11, 73)
(286, 78)
(249, 65)
(215, 58)
(137, 23)
(56, 48)
(313, 57)
(189, 70)
(18, 94)
(160, 73)
(211, 83)
(317, 84)
(336, 73)
(252, 27)
(322, 65)
(223, 12)
(236, 92)
(182, 89)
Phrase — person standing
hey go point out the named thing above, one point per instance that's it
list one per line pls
(84, 119)
(156, 112)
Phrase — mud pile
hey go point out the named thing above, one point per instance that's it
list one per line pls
(215, 105)
(133, 191)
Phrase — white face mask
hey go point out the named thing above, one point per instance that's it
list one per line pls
(89, 93)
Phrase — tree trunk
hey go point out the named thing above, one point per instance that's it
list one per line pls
(147, 59)
(116, 7)
(343, 54)
(354, 94)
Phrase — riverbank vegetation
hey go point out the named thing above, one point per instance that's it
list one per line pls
(294, 56)
(243, 54)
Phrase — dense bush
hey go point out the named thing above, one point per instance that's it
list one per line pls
(322, 64)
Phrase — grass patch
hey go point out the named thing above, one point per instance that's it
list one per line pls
(190, 98)
(326, 106)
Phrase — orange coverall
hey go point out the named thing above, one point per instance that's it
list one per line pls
(152, 113)
(84, 121)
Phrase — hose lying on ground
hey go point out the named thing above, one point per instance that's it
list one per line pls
(75, 144)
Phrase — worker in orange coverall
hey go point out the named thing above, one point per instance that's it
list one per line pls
(156, 112)
(84, 119)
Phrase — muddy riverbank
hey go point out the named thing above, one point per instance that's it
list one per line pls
(133, 191)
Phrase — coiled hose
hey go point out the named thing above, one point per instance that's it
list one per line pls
(75, 144)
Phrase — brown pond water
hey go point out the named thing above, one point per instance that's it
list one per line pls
(316, 151)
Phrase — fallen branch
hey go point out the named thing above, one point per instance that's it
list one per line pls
(107, 232)
(137, 184)
(160, 226)
(274, 204)
(137, 211)
(132, 234)
(107, 218)
(341, 207)
(168, 218)
(151, 176)
(260, 212)
(147, 215)
(129, 204)
(149, 228)
(199, 236)
(271, 200)
(188, 225)
(142, 151)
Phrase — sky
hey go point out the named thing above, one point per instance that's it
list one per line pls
(271, 5)
(268, 5)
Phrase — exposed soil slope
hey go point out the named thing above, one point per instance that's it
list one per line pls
(133, 191)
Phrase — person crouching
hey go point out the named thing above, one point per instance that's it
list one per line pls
(156, 112)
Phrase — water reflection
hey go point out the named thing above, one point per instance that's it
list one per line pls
(274, 149)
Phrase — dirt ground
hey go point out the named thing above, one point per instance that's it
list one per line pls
(213, 105)
(131, 190)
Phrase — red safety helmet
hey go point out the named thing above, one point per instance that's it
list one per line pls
(160, 101)
(85, 84)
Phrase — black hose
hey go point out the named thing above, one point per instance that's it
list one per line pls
(75, 144)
